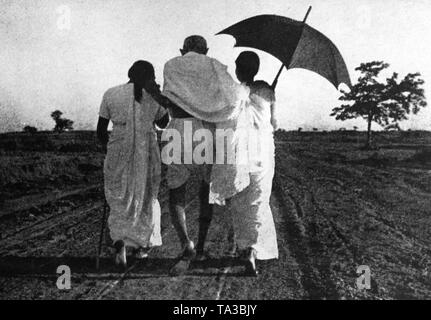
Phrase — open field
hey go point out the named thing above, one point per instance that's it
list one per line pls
(336, 207)
(46, 162)
(354, 207)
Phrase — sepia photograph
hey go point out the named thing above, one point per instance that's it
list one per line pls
(215, 154)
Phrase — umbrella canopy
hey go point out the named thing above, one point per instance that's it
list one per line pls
(294, 43)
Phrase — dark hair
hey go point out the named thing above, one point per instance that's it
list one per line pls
(140, 72)
(195, 43)
(248, 63)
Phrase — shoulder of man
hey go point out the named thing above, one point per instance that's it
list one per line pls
(219, 66)
(114, 90)
(172, 61)
(262, 85)
(263, 88)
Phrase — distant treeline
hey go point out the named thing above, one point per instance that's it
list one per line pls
(86, 141)
(74, 141)
(352, 136)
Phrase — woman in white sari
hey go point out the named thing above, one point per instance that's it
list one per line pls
(252, 217)
(132, 165)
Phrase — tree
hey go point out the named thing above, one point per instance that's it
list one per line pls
(61, 124)
(383, 102)
(30, 129)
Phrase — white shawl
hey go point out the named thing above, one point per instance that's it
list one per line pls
(202, 87)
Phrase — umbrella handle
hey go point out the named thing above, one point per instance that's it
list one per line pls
(274, 83)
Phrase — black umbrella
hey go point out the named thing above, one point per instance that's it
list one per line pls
(294, 43)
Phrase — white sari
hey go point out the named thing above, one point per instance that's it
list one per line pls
(132, 167)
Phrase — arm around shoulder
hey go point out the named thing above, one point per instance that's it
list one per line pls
(102, 131)
(274, 121)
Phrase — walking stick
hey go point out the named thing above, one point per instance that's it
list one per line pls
(102, 231)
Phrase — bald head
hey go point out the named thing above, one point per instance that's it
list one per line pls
(196, 44)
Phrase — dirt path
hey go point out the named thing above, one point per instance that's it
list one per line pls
(347, 213)
(31, 272)
(332, 215)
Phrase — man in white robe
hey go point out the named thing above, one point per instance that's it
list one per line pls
(198, 91)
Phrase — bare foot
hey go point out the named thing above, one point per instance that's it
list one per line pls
(189, 251)
(183, 264)
(201, 256)
(120, 254)
(141, 253)
(232, 251)
(250, 263)
(180, 267)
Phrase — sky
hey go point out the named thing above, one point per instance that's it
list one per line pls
(64, 55)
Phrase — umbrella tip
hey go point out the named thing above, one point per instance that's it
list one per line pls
(306, 15)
